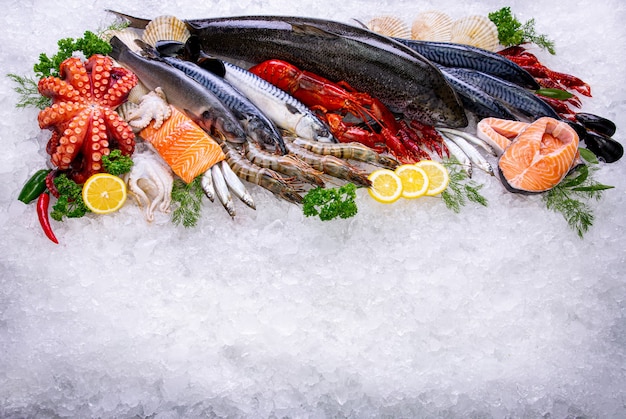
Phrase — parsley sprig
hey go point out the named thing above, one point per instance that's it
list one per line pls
(512, 32)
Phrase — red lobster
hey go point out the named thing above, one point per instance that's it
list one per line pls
(350, 115)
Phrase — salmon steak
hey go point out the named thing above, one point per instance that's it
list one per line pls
(184, 146)
(539, 157)
(499, 133)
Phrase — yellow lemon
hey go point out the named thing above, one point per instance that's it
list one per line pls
(386, 186)
(104, 193)
(414, 180)
(438, 177)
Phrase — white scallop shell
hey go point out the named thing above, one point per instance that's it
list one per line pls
(127, 36)
(165, 28)
(389, 26)
(475, 30)
(432, 26)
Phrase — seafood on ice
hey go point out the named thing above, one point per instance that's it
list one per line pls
(538, 157)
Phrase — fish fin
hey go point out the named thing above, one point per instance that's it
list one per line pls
(212, 64)
(134, 22)
(307, 29)
(169, 48)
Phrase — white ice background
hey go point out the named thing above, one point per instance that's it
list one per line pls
(405, 310)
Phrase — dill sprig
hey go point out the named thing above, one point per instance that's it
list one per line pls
(187, 200)
(570, 196)
(460, 189)
(29, 93)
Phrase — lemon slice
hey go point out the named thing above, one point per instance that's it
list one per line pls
(104, 193)
(386, 186)
(414, 180)
(438, 177)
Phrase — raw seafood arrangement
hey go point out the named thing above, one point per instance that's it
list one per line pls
(173, 111)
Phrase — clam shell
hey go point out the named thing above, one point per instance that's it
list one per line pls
(475, 30)
(165, 28)
(433, 26)
(389, 26)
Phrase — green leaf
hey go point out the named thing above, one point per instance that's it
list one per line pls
(583, 174)
(588, 156)
(554, 93)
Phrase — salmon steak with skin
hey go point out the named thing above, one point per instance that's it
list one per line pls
(499, 132)
(539, 157)
(184, 146)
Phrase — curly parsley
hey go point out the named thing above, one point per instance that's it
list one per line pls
(512, 32)
(330, 203)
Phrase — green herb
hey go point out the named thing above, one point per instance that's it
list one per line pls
(460, 189)
(70, 203)
(512, 32)
(116, 163)
(330, 203)
(29, 93)
(187, 198)
(89, 45)
(569, 196)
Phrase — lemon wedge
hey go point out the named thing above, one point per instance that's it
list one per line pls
(104, 193)
(438, 177)
(414, 180)
(386, 186)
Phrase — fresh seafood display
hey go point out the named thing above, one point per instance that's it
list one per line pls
(402, 80)
(296, 105)
(82, 119)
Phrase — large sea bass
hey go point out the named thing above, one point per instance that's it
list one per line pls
(401, 78)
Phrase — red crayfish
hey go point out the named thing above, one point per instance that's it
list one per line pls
(550, 79)
(351, 115)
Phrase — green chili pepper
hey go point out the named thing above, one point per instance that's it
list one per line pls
(34, 186)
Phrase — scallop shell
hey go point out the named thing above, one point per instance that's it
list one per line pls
(432, 26)
(137, 92)
(475, 30)
(127, 36)
(389, 26)
(165, 28)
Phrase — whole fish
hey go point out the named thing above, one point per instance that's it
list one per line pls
(511, 95)
(399, 77)
(475, 100)
(256, 124)
(283, 109)
(189, 96)
(466, 56)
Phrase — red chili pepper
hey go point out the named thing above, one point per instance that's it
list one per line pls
(42, 213)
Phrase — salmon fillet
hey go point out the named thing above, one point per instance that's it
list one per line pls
(184, 146)
(539, 157)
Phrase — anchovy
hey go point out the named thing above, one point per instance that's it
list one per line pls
(221, 190)
(455, 150)
(189, 96)
(466, 56)
(470, 151)
(475, 100)
(402, 79)
(511, 95)
(235, 185)
(257, 125)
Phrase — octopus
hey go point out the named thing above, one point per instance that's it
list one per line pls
(82, 116)
(152, 106)
(150, 182)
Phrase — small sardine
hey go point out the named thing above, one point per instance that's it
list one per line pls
(471, 152)
(235, 185)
